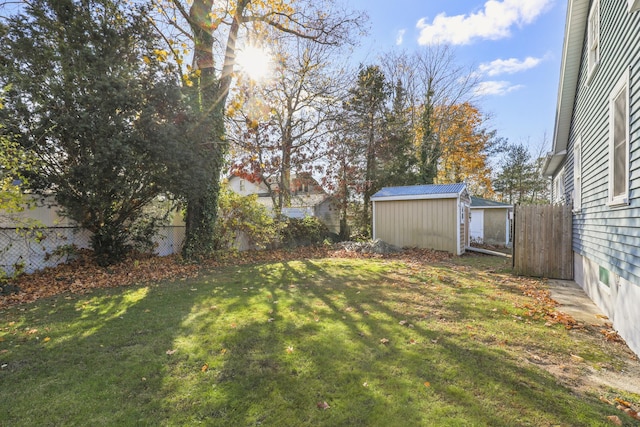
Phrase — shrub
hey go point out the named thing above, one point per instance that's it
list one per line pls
(242, 216)
(303, 232)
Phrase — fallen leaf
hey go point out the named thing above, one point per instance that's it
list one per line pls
(271, 319)
(623, 402)
(205, 367)
(384, 341)
(601, 316)
(365, 384)
(289, 349)
(46, 339)
(576, 358)
(223, 351)
(402, 322)
(427, 384)
(323, 405)
(412, 341)
(615, 420)
(170, 352)
(605, 400)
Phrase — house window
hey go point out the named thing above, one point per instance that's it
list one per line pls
(619, 142)
(593, 36)
(577, 176)
(242, 185)
(603, 276)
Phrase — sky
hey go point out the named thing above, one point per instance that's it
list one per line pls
(515, 46)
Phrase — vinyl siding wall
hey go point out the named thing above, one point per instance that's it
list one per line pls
(603, 236)
(418, 223)
(608, 236)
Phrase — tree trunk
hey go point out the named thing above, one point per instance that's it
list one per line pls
(202, 208)
(369, 175)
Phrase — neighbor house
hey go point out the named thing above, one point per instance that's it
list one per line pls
(490, 222)
(595, 162)
(308, 198)
(424, 216)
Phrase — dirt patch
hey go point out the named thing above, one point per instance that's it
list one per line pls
(572, 301)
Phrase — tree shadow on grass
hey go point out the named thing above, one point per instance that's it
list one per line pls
(364, 381)
(264, 345)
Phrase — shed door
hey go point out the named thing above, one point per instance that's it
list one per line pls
(477, 225)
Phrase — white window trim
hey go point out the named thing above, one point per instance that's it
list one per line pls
(622, 85)
(577, 175)
(559, 187)
(634, 5)
(594, 16)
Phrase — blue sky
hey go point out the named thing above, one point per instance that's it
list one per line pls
(515, 45)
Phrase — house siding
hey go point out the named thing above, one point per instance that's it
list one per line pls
(608, 236)
(418, 223)
(603, 236)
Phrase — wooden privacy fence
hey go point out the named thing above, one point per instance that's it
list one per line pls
(542, 241)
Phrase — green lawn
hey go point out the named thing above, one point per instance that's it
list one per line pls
(329, 342)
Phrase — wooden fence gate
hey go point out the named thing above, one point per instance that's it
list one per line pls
(542, 241)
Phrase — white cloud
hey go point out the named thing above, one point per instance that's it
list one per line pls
(491, 23)
(400, 37)
(508, 66)
(496, 88)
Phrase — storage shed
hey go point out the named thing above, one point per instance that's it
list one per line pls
(425, 216)
(490, 222)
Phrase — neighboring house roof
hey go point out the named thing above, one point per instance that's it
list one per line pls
(430, 191)
(478, 202)
(577, 14)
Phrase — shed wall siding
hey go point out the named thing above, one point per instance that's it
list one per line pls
(495, 226)
(418, 223)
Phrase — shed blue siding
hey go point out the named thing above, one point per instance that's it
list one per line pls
(608, 236)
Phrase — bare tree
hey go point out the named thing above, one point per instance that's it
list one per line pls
(212, 30)
(290, 130)
(434, 83)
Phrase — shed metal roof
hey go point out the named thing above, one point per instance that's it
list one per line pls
(416, 191)
(478, 202)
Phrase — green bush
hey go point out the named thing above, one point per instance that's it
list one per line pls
(303, 232)
(242, 216)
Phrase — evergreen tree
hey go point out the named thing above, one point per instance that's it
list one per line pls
(398, 157)
(430, 144)
(91, 95)
(366, 109)
(519, 180)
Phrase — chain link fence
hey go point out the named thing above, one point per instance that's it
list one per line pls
(30, 250)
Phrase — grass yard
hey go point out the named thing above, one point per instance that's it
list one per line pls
(323, 342)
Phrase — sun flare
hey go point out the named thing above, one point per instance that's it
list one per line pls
(254, 61)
